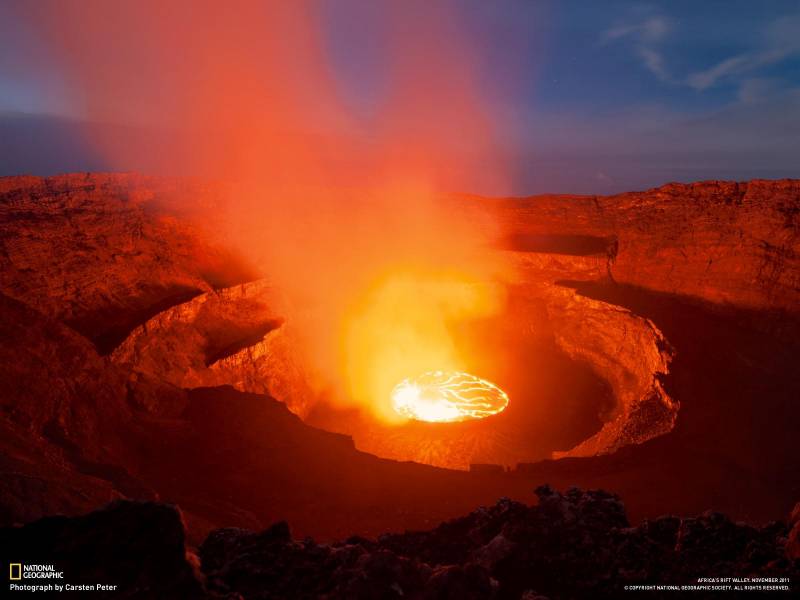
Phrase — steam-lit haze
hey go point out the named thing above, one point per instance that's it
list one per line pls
(346, 222)
(337, 126)
(251, 92)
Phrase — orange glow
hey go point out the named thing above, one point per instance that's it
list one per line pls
(344, 214)
(402, 326)
(446, 397)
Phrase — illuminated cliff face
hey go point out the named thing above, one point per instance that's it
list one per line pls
(447, 396)
(412, 310)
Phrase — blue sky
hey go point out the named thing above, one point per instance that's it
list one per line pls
(586, 96)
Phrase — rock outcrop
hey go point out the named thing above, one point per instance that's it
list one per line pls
(67, 418)
(133, 549)
(627, 351)
(728, 243)
(103, 253)
(571, 545)
(575, 544)
(241, 336)
(793, 540)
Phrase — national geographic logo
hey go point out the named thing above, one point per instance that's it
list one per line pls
(19, 571)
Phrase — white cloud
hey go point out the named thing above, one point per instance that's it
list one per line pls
(645, 34)
(778, 41)
(735, 67)
(650, 30)
(654, 62)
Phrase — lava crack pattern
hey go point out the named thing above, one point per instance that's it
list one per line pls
(447, 396)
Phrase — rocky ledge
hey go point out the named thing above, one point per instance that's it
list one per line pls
(573, 544)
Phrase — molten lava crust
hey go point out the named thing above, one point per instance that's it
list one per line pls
(447, 397)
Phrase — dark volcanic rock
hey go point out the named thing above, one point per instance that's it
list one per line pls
(793, 542)
(446, 543)
(548, 547)
(460, 582)
(271, 565)
(139, 547)
(575, 544)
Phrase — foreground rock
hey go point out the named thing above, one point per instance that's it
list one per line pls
(576, 544)
(137, 547)
(579, 544)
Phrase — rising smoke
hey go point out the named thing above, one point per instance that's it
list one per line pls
(342, 212)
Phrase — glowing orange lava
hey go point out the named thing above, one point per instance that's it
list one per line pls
(447, 396)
